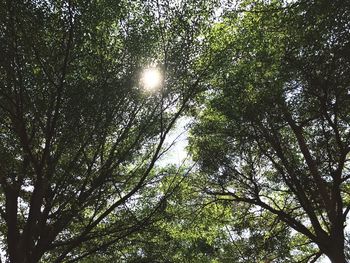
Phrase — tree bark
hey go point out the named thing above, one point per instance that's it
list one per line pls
(336, 253)
(337, 257)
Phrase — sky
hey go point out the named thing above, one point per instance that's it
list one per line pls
(179, 138)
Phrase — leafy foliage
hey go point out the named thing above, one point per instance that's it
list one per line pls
(79, 136)
(267, 85)
(275, 130)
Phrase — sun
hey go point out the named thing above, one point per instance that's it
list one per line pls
(151, 79)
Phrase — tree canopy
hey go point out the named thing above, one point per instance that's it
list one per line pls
(264, 86)
(275, 130)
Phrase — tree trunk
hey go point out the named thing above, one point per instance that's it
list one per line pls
(337, 258)
(336, 254)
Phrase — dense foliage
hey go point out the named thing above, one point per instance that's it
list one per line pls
(265, 86)
(79, 135)
(274, 133)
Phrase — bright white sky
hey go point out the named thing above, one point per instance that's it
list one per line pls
(179, 137)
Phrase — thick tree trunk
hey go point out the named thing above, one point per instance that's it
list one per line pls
(22, 256)
(337, 257)
(336, 253)
(333, 246)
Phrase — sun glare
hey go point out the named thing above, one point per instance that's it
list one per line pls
(151, 79)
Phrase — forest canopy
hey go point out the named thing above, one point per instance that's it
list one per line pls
(92, 92)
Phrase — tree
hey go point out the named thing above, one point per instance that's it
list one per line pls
(275, 130)
(197, 228)
(79, 136)
(192, 228)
